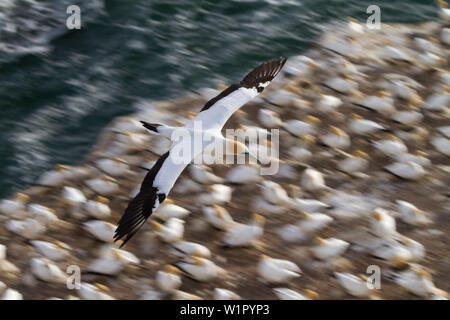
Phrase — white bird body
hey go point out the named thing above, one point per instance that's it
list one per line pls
(11, 294)
(395, 53)
(113, 167)
(427, 45)
(364, 126)
(312, 180)
(329, 248)
(200, 269)
(98, 208)
(277, 270)
(263, 206)
(243, 175)
(431, 60)
(47, 271)
(50, 250)
(353, 284)
(101, 230)
(300, 66)
(445, 35)
(441, 144)
(410, 214)
(382, 224)
(353, 164)
(203, 174)
(219, 194)
(342, 85)
(187, 248)
(239, 234)
(269, 118)
(310, 205)
(383, 105)
(391, 147)
(438, 101)
(73, 197)
(104, 186)
(289, 294)
(209, 122)
(44, 215)
(171, 231)
(112, 261)
(445, 131)
(418, 282)
(314, 222)
(28, 228)
(407, 170)
(218, 217)
(407, 117)
(89, 291)
(225, 294)
(417, 158)
(299, 128)
(54, 178)
(169, 210)
(15, 208)
(328, 103)
(274, 193)
(337, 138)
(168, 279)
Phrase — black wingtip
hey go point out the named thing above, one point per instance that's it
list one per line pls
(151, 126)
(263, 73)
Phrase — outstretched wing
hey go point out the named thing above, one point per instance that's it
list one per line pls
(218, 110)
(154, 189)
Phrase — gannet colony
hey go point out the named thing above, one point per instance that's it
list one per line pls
(363, 185)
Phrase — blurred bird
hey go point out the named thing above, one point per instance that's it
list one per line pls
(168, 279)
(239, 235)
(289, 294)
(277, 270)
(218, 217)
(329, 248)
(15, 208)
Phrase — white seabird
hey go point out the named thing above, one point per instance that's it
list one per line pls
(212, 117)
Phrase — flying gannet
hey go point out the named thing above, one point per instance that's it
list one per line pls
(165, 172)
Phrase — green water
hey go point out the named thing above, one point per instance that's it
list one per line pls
(54, 104)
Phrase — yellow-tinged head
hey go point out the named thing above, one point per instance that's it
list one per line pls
(171, 269)
(320, 241)
(221, 86)
(120, 160)
(442, 3)
(313, 120)
(21, 197)
(235, 147)
(308, 139)
(197, 261)
(399, 262)
(348, 18)
(190, 115)
(355, 116)
(212, 188)
(336, 131)
(61, 168)
(293, 89)
(156, 225)
(377, 216)
(168, 201)
(312, 64)
(382, 94)
(360, 154)
(102, 199)
(424, 273)
(420, 153)
(109, 179)
(259, 219)
(101, 287)
(310, 294)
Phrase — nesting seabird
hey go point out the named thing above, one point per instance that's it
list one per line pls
(215, 113)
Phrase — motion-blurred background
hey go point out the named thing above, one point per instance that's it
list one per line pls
(59, 88)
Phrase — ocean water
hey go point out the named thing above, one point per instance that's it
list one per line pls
(59, 88)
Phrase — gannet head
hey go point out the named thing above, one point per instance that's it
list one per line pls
(235, 147)
(171, 269)
(21, 197)
(102, 199)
